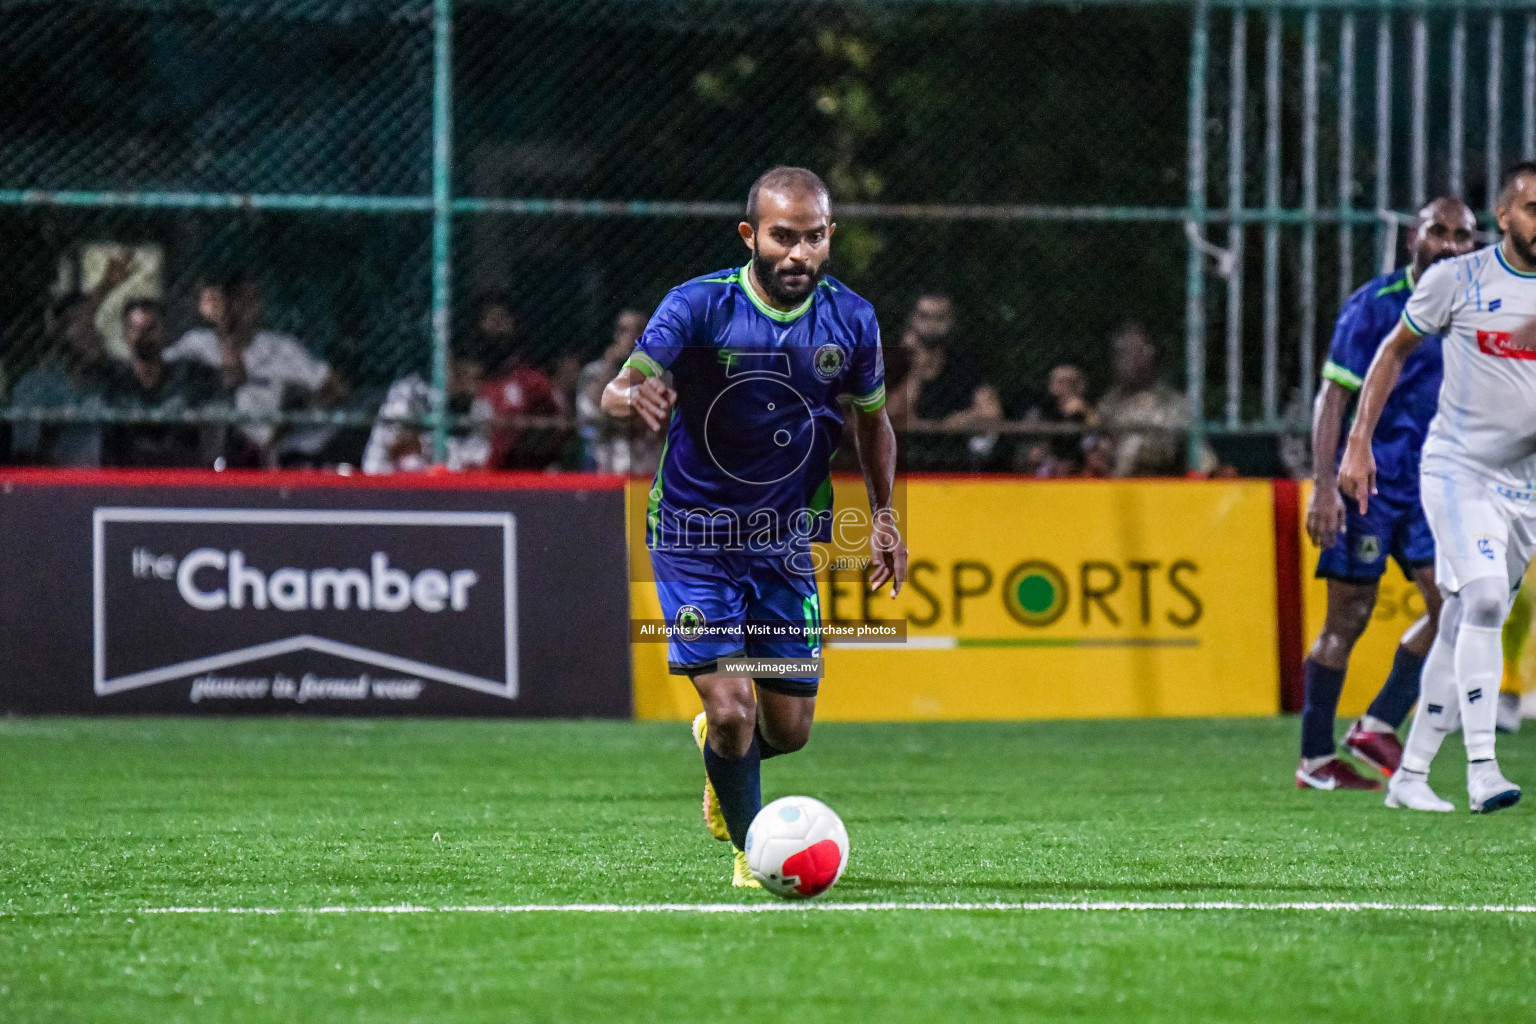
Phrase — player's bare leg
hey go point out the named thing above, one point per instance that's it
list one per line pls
(783, 721)
(1372, 738)
(1349, 611)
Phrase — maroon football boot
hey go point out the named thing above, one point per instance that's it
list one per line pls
(1381, 750)
(1334, 774)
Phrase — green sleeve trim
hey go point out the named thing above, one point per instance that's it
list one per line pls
(870, 402)
(1342, 377)
(1415, 328)
(653, 499)
(645, 364)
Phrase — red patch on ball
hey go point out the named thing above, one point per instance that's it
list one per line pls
(815, 867)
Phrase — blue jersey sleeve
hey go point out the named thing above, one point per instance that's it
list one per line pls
(665, 337)
(1355, 340)
(865, 380)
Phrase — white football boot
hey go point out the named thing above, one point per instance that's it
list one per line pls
(1487, 788)
(1411, 790)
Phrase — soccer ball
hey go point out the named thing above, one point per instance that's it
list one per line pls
(797, 847)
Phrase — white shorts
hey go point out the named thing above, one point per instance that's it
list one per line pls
(1483, 529)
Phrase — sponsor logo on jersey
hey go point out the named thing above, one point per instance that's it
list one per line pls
(690, 622)
(1494, 305)
(828, 361)
(1485, 548)
(1501, 344)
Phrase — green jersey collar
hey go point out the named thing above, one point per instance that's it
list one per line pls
(767, 310)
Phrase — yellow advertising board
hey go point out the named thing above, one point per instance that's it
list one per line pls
(1041, 599)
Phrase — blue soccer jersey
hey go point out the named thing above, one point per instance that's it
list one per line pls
(745, 467)
(1394, 527)
(1368, 317)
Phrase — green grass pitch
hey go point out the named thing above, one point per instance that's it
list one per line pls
(101, 820)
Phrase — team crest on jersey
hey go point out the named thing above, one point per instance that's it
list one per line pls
(1368, 548)
(828, 361)
(690, 622)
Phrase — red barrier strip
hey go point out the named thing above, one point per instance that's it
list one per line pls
(1288, 591)
(300, 478)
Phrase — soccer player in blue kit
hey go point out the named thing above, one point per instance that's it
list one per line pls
(743, 368)
(1355, 547)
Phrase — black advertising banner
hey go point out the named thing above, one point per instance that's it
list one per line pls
(161, 593)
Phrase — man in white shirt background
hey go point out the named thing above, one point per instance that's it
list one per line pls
(268, 371)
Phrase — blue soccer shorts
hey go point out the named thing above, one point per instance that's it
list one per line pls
(1393, 525)
(716, 595)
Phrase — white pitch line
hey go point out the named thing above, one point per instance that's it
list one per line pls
(760, 908)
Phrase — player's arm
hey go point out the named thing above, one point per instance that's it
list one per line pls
(633, 392)
(1357, 471)
(1325, 512)
(877, 459)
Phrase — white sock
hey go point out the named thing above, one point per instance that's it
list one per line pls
(1479, 669)
(1370, 723)
(1438, 713)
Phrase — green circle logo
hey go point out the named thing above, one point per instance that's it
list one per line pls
(1035, 593)
(690, 622)
(827, 361)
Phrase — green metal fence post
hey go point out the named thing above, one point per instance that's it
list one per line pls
(1194, 305)
(442, 211)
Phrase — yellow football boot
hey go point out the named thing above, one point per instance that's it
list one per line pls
(714, 819)
(741, 875)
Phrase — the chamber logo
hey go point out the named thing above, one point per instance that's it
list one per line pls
(412, 597)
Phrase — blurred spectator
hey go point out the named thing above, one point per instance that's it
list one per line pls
(155, 385)
(615, 445)
(945, 387)
(396, 447)
(517, 389)
(1145, 418)
(1066, 404)
(563, 378)
(948, 386)
(1295, 447)
(495, 325)
(76, 373)
(268, 372)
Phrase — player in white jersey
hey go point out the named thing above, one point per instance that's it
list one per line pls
(1477, 482)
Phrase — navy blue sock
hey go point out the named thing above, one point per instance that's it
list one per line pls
(738, 784)
(1323, 686)
(764, 748)
(1401, 689)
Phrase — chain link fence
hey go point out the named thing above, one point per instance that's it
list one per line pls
(1031, 162)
